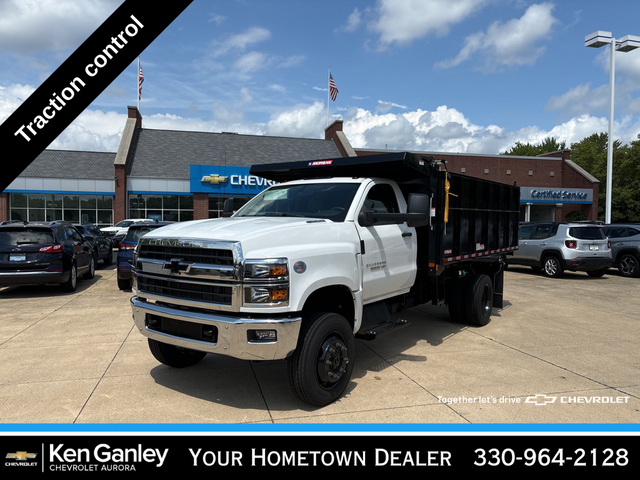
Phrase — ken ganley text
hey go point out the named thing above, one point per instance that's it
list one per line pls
(59, 100)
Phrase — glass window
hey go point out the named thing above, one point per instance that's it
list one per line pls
(173, 208)
(524, 233)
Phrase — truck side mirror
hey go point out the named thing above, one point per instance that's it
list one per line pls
(420, 207)
(366, 218)
(227, 209)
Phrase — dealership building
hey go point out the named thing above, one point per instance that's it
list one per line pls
(184, 175)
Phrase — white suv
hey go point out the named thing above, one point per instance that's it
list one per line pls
(556, 247)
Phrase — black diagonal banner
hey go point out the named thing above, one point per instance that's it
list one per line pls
(79, 81)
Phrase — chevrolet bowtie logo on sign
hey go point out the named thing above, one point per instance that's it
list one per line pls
(214, 179)
(21, 456)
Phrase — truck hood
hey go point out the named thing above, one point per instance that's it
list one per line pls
(268, 236)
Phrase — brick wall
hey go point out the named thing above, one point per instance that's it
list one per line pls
(4, 207)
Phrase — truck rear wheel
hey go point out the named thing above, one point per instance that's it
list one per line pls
(320, 368)
(173, 356)
(471, 300)
(478, 300)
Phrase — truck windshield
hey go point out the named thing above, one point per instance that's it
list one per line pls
(330, 201)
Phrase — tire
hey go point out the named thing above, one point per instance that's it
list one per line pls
(124, 284)
(629, 265)
(92, 269)
(551, 267)
(320, 368)
(71, 284)
(173, 356)
(597, 273)
(477, 300)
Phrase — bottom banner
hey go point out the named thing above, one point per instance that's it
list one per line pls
(104, 454)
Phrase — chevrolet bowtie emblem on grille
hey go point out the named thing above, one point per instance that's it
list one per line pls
(214, 179)
(175, 266)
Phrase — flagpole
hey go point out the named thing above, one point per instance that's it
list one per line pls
(328, 93)
(138, 85)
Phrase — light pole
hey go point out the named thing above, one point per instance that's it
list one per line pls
(627, 43)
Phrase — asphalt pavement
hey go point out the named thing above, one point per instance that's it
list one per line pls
(562, 351)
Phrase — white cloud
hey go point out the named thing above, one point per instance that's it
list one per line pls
(353, 22)
(403, 21)
(50, 25)
(240, 41)
(510, 43)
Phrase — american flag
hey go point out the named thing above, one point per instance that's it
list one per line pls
(333, 90)
(140, 80)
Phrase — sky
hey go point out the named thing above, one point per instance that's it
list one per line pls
(466, 76)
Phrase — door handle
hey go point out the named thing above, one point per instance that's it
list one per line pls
(407, 234)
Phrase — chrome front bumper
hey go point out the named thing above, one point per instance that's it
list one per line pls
(235, 334)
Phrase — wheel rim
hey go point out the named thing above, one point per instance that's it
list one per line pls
(487, 302)
(74, 276)
(551, 266)
(628, 265)
(333, 358)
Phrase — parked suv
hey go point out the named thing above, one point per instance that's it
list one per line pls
(119, 230)
(127, 247)
(44, 252)
(556, 247)
(102, 245)
(625, 248)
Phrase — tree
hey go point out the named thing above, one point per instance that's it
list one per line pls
(549, 144)
(591, 154)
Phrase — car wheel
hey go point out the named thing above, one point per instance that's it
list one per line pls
(597, 273)
(629, 265)
(124, 284)
(92, 269)
(320, 368)
(71, 284)
(552, 267)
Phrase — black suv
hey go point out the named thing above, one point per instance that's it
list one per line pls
(44, 252)
(102, 244)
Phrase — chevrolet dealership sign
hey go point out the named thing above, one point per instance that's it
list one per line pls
(225, 180)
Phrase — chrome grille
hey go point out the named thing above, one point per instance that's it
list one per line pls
(189, 273)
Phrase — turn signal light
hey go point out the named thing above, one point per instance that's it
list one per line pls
(571, 244)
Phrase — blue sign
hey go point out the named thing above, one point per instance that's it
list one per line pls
(226, 181)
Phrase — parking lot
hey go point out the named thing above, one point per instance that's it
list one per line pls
(562, 351)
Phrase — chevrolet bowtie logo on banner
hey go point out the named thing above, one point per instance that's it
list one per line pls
(214, 179)
(80, 79)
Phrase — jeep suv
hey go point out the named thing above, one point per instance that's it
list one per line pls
(625, 248)
(556, 247)
(44, 252)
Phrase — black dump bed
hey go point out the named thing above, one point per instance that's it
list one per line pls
(479, 219)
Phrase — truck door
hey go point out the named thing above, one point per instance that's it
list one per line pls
(389, 249)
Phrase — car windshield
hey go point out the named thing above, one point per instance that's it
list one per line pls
(124, 223)
(135, 234)
(330, 201)
(26, 236)
(587, 233)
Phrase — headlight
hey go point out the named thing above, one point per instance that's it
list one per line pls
(266, 282)
(268, 269)
(270, 294)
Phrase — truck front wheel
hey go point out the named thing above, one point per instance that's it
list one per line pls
(174, 356)
(320, 368)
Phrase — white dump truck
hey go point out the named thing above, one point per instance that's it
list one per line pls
(329, 253)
